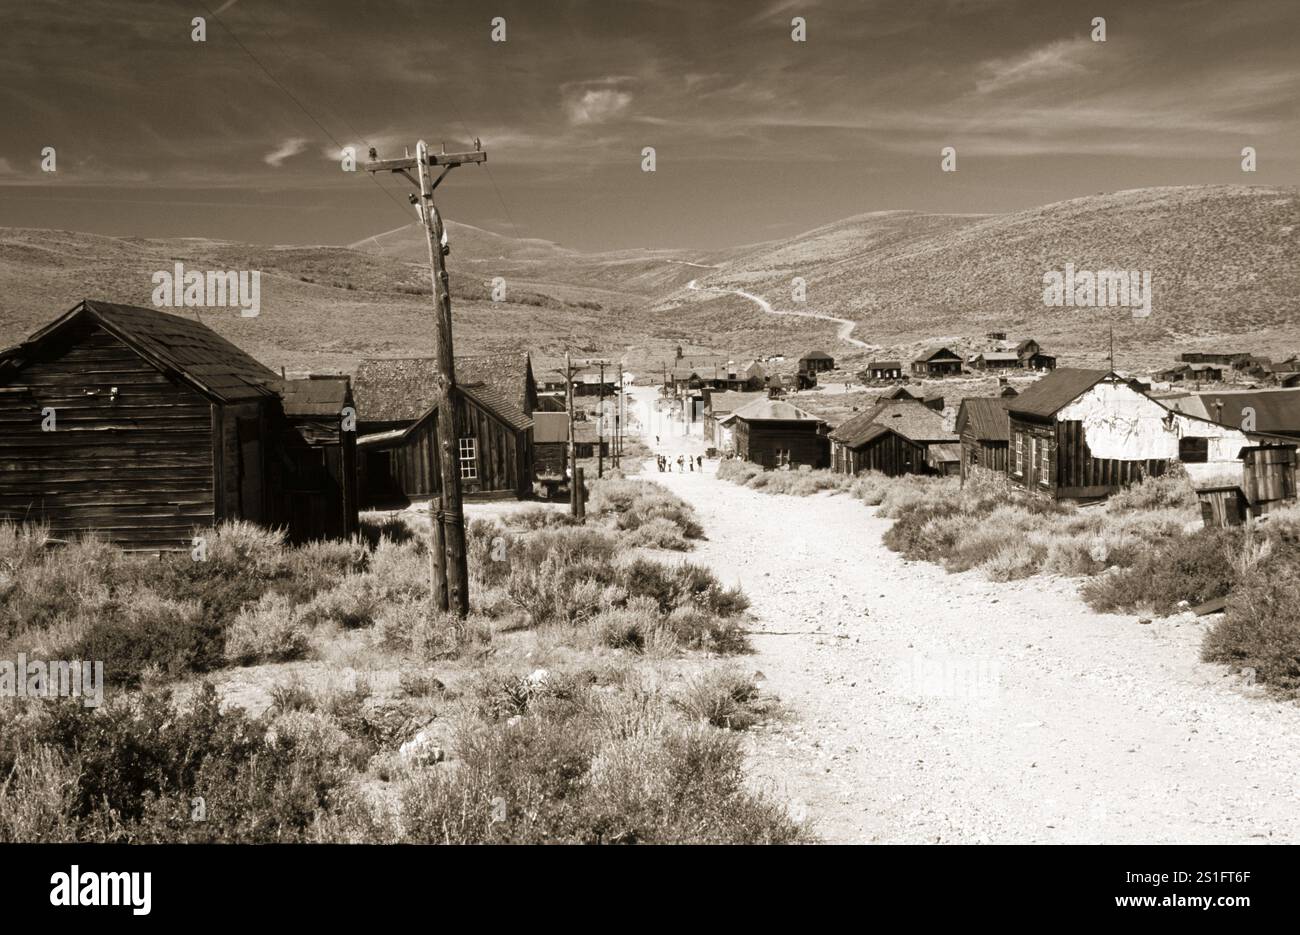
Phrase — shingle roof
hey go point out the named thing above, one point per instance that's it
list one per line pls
(885, 365)
(184, 347)
(987, 418)
(315, 395)
(393, 389)
(1055, 391)
(930, 353)
(772, 410)
(816, 355)
(401, 389)
(908, 418)
(998, 355)
(938, 454)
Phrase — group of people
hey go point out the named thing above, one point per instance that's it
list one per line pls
(684, 463)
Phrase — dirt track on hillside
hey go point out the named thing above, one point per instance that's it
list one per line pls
(844, 332)
(927, 707)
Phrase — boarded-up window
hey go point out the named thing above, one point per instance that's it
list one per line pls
(1192, 450)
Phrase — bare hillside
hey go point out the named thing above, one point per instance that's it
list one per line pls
(1223, 261)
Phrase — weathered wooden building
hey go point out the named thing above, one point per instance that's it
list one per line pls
(139, 425)
(398, 451)
(936, 362)
(776, 434)
(885, 370)
(321, 494)
(1083, 434)
(996, 360)
(717, 407)
(984, 430)
(893, 437)
(816, 362)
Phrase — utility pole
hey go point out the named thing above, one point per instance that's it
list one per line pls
(449, 567)
(600, 425)
(573, 457)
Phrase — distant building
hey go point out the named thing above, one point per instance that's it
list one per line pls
(816, 362)
(936, 362)
(776, 434)
(894, 437)
(718, 407)
(885, 370)
(996, 360)
(495, 397)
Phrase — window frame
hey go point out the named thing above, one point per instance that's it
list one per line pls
(467, 457)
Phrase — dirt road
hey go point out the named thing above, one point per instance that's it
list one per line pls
(928, 707)
(844, 333)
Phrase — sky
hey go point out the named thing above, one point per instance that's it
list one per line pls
(756, 136)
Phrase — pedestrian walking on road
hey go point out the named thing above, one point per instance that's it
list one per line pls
(680, 469)
(699, 459)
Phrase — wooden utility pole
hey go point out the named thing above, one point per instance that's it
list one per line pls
(600, 425)
(573, 457)
(449, 567)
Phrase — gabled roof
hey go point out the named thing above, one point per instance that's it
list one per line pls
(1056, 391)
(771, 410)
(816, 355)
(908, 418)
(885, 365)
(316, 395)
(898, 392)
(721, 403)
(1275, 410)
(986, 417)
(932, 352)
(181, 347)
(998, 355)
(394, 389)
(493, 400)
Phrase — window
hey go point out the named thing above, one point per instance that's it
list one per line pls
(1044, 475)
(1020, 453)
(1193, 450)
(468, 459)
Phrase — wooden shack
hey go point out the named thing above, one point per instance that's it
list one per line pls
(816, 362)
(1268, 476)
(398, 451)
(321, 493)
(885, 370)
(140, 426)
(985, 433)
(776, 434)
(893, 437)
(937, 362)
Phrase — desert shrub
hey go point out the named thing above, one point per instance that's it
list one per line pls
(738, 471)
(269, 631)
(592, 768)
(1261, 629)
(697, 629)
(537, 516)
(139, 762)
(1193, 568)
(375, 529)
(659, 533)
(353, 602)
(684, 585)
(1171, 489)
(144, 630)
(411, 628)
(723, 698)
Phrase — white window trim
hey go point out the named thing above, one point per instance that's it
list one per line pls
(1045, 475)
(1020, 454)
(467, 452)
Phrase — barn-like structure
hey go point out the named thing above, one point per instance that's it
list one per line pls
(140, 426)
(398, 453)
(898, 436)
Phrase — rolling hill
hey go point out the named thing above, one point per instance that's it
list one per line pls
(1224, 261)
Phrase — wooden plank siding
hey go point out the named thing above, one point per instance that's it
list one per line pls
(132, 453)
(1071, 470)
(890, 453)
(409, 465)
(990, 455)
(759, 442)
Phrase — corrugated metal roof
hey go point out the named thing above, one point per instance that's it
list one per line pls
(1275, 410)
(181, 346)
(772, 410)
(987, 418)
(1055, 391)
(730, 401)
(907, 417)
(947, 452)
(315, 395)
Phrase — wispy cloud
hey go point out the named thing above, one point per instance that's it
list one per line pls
(596, 105)
(286, 150)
